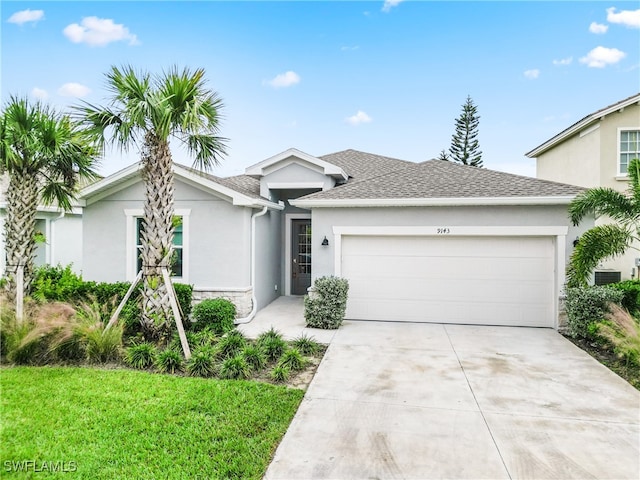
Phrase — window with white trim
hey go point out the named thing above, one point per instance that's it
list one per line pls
(178, 246)
(628, 148)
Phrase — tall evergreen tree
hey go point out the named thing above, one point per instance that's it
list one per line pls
(465, 148)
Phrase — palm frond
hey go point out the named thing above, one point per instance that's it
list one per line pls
(595, 245)
(207, 150)
(603, 201)
(633, 170)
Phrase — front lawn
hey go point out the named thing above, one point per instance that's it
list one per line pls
(129, 424)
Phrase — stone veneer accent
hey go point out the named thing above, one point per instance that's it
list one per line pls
(240, 297)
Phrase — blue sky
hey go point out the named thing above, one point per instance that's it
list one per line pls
(382, 77)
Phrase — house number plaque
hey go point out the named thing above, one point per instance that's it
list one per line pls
(443, 231)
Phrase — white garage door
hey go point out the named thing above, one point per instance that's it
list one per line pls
(469, 280)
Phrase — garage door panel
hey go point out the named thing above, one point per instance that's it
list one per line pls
(477, 280)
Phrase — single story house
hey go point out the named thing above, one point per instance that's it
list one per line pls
(428, 242)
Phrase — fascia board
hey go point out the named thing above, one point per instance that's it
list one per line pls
(430, 202)
(328, 168)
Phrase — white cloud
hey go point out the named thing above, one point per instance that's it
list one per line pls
(600, 57)
(563, 61)
(73, 90)
(598, 28)
(25, 16)
(99, 32)
(532, 74)
(39, 93)
(629, 18)
(389, 4)
(358, 118)
(347, 48)
(286, 79)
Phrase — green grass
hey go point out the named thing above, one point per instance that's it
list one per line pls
(129, 424)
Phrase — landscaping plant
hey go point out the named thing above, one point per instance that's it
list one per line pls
(169, 361)
(587, 305)
(292, 359)
(202, 362)
(280, 373)
(622, 332)
(235, 368)
(306, 345)
(231, 344)
(141, 355)
(326, 306)
(217, 314)
(255, 357)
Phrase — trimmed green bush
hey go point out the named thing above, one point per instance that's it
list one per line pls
(631, 298)
(215, 313)
(141, 355)
(326, 307)
(586, 305)
(61, 284)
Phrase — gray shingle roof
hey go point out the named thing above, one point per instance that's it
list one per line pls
(240, 183)
(442, 179)
(362, 165)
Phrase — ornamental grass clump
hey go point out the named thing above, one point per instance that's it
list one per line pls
(306, 345)
(141, 355)
(169, 361)
(272, 344)
(326, 306)
(293, 360)
(280, 373)
(254, 357)
(231, 344)
(622, 332)
(235, 368)
(202, 362)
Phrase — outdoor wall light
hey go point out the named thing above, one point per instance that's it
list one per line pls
(325, 242)
(575, 242)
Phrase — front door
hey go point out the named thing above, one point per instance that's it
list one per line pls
(301, 253)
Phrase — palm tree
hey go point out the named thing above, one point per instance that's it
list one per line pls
(609, 240)
(147, 111)
(44, 154)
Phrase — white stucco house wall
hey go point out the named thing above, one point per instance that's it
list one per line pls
(595, 152)
(432, 242)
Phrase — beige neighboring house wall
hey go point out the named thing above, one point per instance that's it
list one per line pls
(588, 154)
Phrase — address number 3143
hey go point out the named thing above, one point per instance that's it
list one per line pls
(442, 231)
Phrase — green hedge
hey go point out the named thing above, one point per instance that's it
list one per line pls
(585, 306)
(631, 294)
(217, 314)
(63, 285)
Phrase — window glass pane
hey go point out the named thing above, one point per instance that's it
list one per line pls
(139, 230)
(177, 235)
(40, 257)
(138, 259)
(176, 264)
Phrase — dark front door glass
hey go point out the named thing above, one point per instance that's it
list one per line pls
(301, 253)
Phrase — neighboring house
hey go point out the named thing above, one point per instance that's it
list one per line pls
(433, 242)
(595, 152)
(61, 239)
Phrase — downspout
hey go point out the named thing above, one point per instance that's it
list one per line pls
(254, 302)
(52, 233)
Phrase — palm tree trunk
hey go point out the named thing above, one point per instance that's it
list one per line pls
(19, 229)
(157, 237)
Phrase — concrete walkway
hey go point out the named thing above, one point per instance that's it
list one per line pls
(422, 401)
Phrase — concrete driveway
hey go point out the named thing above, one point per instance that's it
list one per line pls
(426, 401)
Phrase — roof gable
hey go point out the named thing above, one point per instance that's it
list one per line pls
(291, 155)
(583, 123)
(238, 191)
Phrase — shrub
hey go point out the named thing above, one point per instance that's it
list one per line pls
(585, 305)
(326, 307)
(231, 344)
(631, 298)
(306, 345)
(202, 362)
(58, 284)
(169, 361)
(141, 355)
(292, 359)
(217, 313)
(235, 368)
(622, 332)
(254, 357)
(280, 373)
(272, 344)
